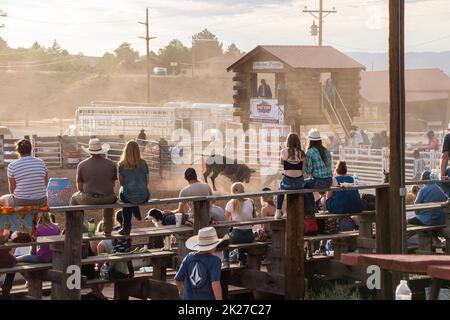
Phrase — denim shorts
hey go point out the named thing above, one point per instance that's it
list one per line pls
(15, 202)
(289, 183)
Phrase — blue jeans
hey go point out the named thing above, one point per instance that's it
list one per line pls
(239, 236)
(9, 279)
(315, 183)
(445, 187)
(32, 258)
(289, 183)
(128, 212)
(170, 219)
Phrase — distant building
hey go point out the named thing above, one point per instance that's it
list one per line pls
(427, 98)
(298, 77)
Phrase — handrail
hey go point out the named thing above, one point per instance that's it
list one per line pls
(337, 115)
(119, 205)
(343, 105)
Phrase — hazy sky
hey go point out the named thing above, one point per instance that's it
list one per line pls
(96, 26)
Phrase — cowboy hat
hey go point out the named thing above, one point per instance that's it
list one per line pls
(96, 147)
(314, 135)
(205, 240)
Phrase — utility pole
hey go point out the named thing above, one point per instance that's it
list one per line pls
(147, 38)
(322, 15)
(2, 14)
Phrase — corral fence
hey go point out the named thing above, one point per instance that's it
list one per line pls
(48, 149)
(370, 164)
(67, 151)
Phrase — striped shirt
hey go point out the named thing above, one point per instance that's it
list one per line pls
(29, 174)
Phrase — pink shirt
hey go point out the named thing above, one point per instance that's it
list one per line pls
(43, 251)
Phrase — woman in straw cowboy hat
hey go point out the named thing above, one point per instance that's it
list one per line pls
(199, 275)
(318, 166)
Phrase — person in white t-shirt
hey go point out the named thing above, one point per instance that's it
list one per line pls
(242, 209)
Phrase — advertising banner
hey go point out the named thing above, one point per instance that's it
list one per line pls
(265, 110)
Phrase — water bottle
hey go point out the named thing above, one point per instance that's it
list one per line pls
(403, 292)
(355, 179)
(434, 175)
(91, 228)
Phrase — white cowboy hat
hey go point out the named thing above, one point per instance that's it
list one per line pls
(96, 147)
(205, 240)
(314, 135)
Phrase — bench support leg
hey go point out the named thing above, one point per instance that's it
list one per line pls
(68, 254)
(435, 289)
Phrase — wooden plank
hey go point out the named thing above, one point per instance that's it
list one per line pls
(156, 202)
(383, 238)
(344, 215)
(295, 255)
(258, 281)
(340, 235)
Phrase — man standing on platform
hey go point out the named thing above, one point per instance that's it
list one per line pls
(96, 177)
(264, 90)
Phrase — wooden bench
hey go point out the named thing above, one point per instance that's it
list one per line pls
(328, 215)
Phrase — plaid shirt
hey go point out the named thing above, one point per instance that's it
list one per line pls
(315, 165)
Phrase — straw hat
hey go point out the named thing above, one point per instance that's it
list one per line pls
(96, 147)
(205, 240)
(314, 135)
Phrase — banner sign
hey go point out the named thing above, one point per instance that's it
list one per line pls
(268, 65)
(265, 110)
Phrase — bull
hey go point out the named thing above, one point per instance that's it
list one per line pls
(233, 170)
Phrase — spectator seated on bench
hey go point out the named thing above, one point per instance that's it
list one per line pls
(194, 188)
(239, 210)
(27, 179)
(341, 202)
(39, 254)
(428, 194)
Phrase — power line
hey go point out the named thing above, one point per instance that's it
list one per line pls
(321, 16)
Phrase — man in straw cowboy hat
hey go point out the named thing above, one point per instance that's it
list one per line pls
(199, 275)
(96, 177)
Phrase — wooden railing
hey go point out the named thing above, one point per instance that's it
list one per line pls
(288, 241)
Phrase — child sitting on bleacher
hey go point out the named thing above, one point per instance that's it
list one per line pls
(42, 253)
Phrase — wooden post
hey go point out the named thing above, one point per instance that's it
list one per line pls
(397, 125)
(397, 191)
(201, 215)
(68, 254)
(277, 249)
(295, 255)
(383, 233)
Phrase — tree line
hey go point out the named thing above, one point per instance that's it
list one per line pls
(175, 56)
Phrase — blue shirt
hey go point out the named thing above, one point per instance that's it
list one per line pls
(315, 165)
(134, 183)
(198, 272)
(347, 201)
(431, 217)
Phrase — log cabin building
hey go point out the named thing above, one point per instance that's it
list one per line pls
(298, 76)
